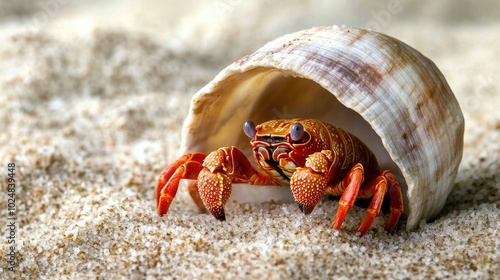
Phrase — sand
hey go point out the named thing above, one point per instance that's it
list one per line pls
(92, 102)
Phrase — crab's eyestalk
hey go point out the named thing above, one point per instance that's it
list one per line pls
(297, 132)
(249, 129)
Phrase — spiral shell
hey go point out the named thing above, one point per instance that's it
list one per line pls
(378, 88)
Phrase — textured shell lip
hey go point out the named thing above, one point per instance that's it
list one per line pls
(269, 84)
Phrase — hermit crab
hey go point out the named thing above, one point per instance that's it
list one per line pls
(342, 111)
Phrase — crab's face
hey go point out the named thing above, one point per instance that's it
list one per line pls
(280, 146)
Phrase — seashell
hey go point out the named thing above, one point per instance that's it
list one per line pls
(376, 87)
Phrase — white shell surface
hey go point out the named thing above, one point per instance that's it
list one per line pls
(383, 91)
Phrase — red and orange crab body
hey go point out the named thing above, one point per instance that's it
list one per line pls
(312, 157)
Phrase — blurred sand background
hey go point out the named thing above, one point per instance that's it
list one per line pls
(92, 99)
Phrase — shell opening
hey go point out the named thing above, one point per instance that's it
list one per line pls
(262, 94)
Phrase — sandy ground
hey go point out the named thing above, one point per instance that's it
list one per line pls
(92, 99)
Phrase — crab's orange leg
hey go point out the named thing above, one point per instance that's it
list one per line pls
(396, 200)
(187, 166)
(378, 186)
(195, 195)
(377, 189)
(349, 188)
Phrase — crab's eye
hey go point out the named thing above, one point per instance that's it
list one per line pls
(297, 132)
(249, 129)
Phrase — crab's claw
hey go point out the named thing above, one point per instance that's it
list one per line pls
(214, 185)
(215, 189)
(308, 184)
(307, 188)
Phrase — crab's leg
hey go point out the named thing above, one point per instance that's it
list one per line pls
(396, 201)
(187, 166)
(385, 182)
(221, 168)
(195, 195)
(377, 189)
(349, 188)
